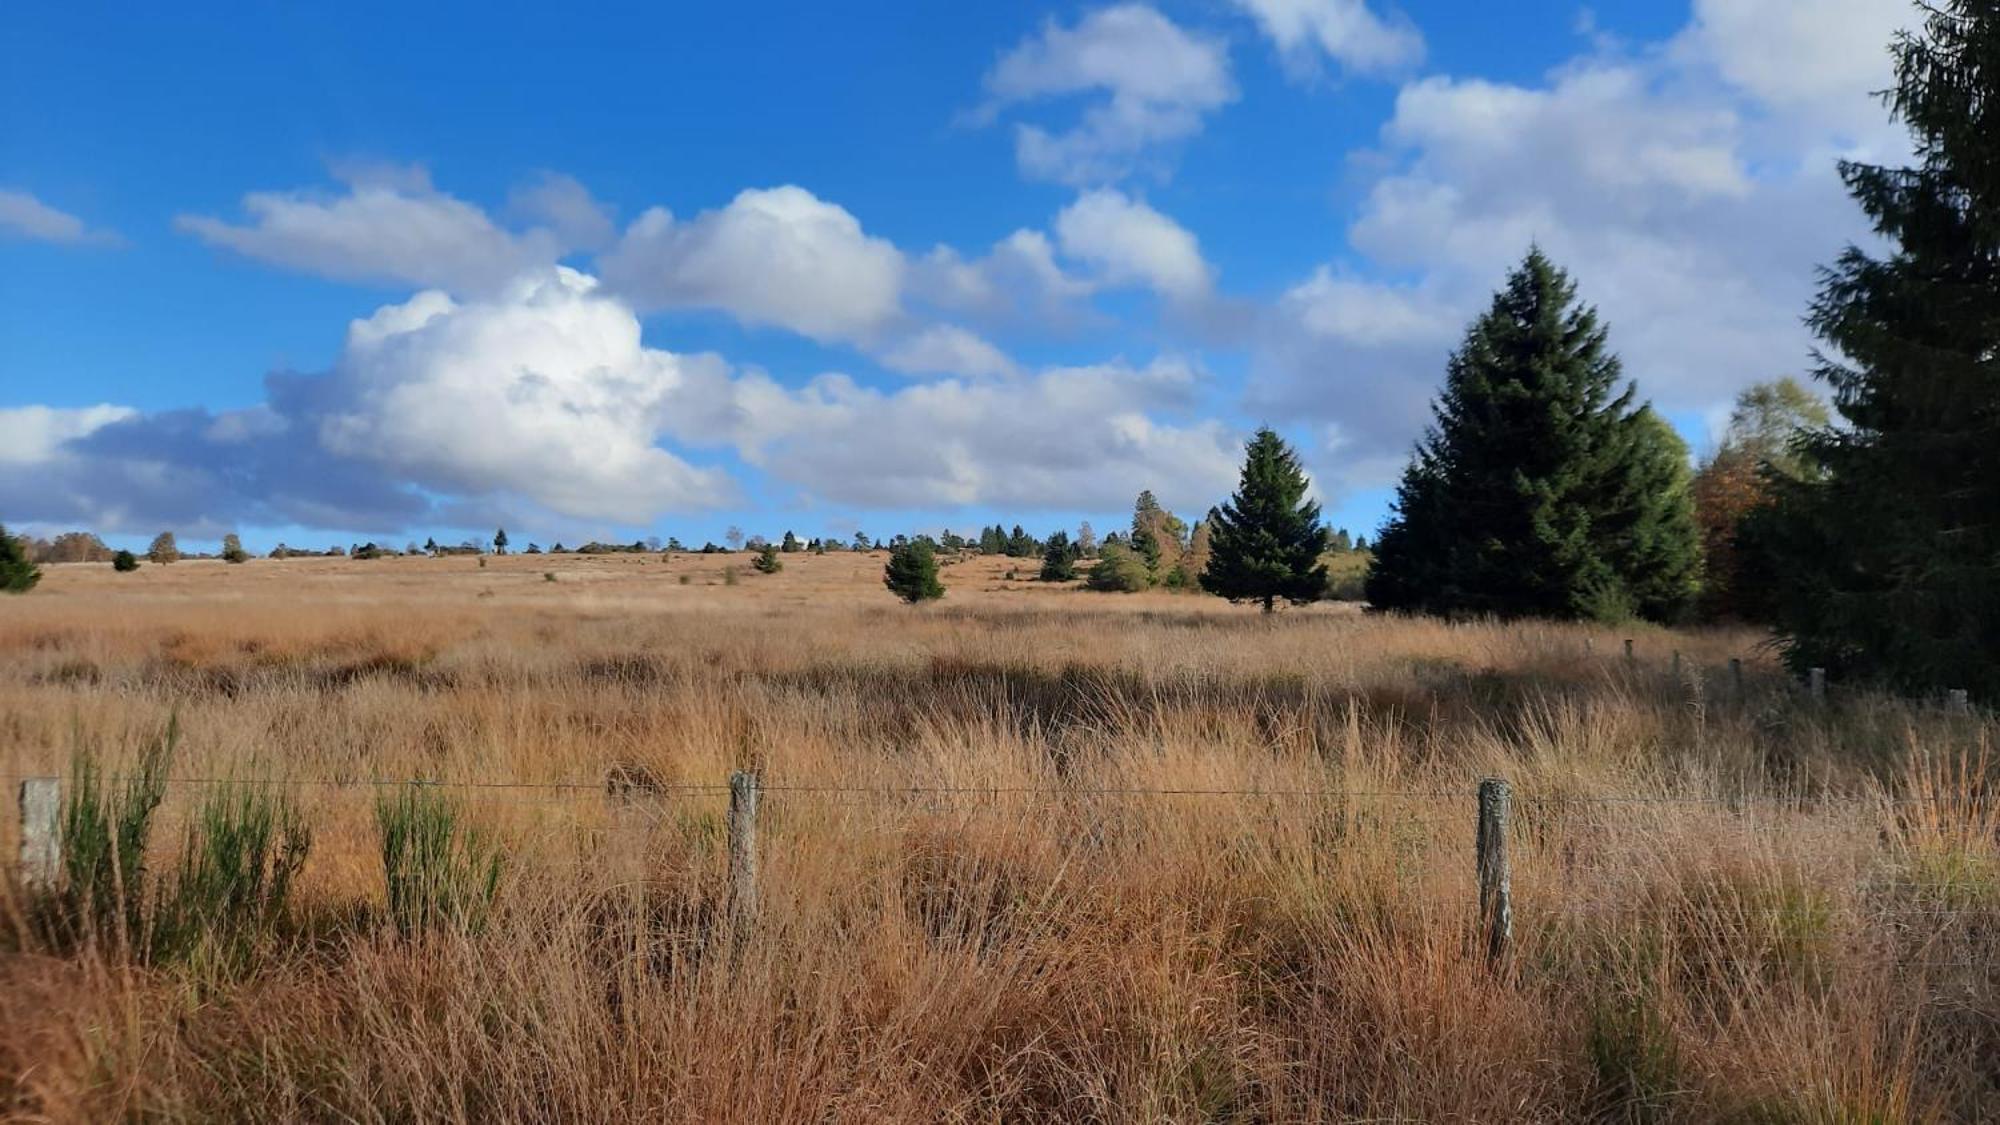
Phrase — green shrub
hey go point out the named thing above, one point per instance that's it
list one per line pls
(767, 561)
(1119, 570)
(441, 872)
(17, 574)
(104, 835)
(912, 573)
(243, 851)
(124, 562)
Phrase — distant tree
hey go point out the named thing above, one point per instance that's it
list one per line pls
(500, 541)
(767, 561)
(1058, 558)
(163, 549)
(17, 574)
(431, 546)
(1187, 571)
(1086, 540)
(558, 549)
(281, 552)
(1265, 542)
(1341, 541)
(733, 537)
(124, 562)
(674, 546)
(1541, 489)
(1735, 488)
(232, 549)
(862, 542)
(791, 543)
(77, 546)
(912, 573)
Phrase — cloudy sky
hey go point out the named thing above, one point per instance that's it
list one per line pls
(328, 272)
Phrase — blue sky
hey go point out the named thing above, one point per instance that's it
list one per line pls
(358, 272)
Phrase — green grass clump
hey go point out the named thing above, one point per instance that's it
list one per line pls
(104, 833)
(442, 873)
(243, 851)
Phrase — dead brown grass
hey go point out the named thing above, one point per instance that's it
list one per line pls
(1728, 908)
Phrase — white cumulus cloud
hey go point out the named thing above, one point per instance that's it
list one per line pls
(779, 256)
(1349, 32)
(1129, 242)
(1150, 81)
(389, 226)
(24, 216)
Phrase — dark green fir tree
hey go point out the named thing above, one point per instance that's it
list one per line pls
(1887, 554)
(1540, 489)
(1265, 542)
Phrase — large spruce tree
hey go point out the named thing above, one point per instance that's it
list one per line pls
(1541, 490)
(1264, 544)
(1889, 556)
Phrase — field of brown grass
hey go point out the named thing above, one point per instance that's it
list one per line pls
(1029, 853)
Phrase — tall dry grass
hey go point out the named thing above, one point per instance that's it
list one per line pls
(1027, 855)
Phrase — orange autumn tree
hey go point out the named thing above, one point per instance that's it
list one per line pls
(1735, 483)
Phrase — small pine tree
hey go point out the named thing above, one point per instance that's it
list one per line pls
(124, 562)
(912, 573)
(767, 561)
(790, 544)
(1119, 570)
(163, 550)
(232, 549)
(17, 574)
(1265, 542)
(1058, 559)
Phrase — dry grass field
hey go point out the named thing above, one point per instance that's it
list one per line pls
(1026, 854)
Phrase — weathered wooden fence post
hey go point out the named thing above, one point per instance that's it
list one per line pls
(743, 848)
(1816, 683)
(41, 831)
(1496, 906)
(1957, 702)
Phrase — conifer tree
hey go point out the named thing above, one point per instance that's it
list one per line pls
(1890, 553)
(500, 541)
(912, 573)
(1058, 558)
(767, 561)
(1540, 490)
(124, 562)
(17, 574)
(232, 549)
(1264, 544)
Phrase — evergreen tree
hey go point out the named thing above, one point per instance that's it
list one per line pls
(124, 562)
(1891, 552)
(17, 574)
(1119, 570)
(500, 541)
(1058, 558)
(163, 550)
(767, 561)
(1021, 545)
(790, 545)
(1541, 490)
(912, 573)
(232, 549)
(1265, 542)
